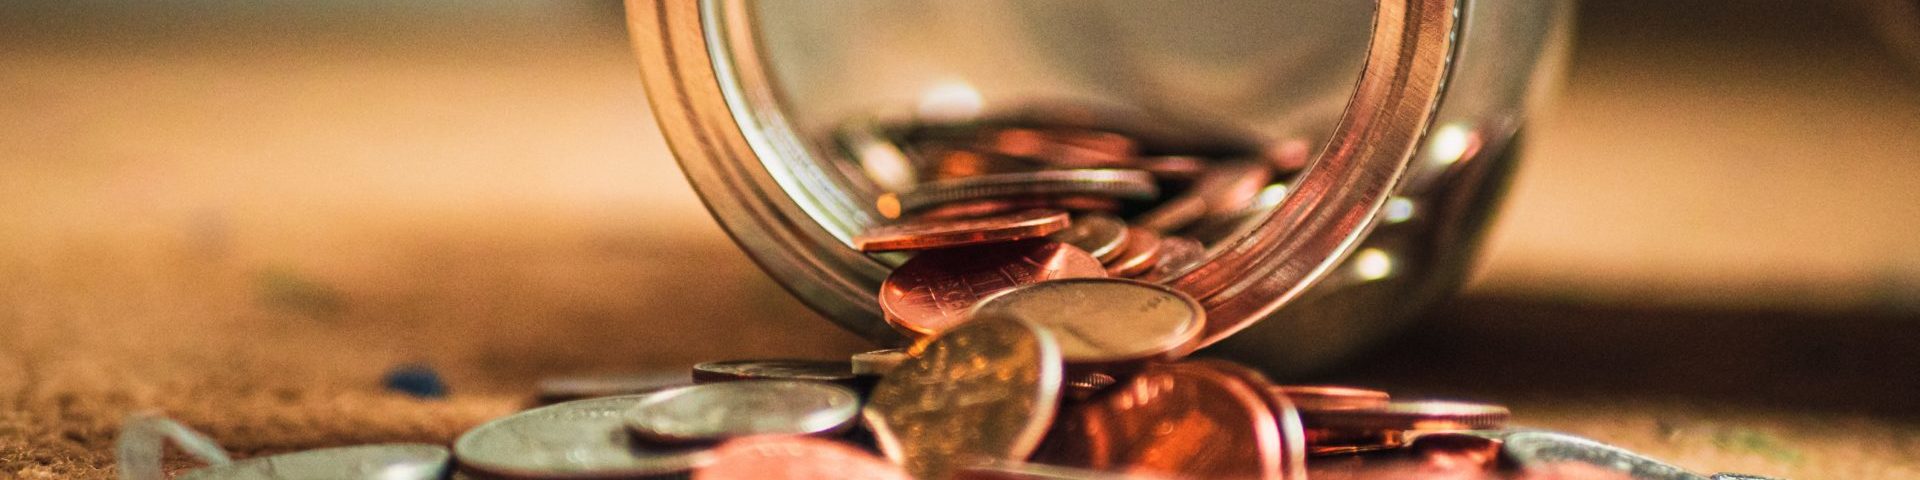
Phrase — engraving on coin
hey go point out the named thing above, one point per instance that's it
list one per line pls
(578, 439)
(1193, 419)
(949, 233)
(773, 369)
(1104, 320)
(395, 461)
(1115, 183)
(934, 290)
(1101, 235)
(983, 391)
(795, 458)
(718, 411)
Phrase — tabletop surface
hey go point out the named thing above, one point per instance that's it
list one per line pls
(243, 220)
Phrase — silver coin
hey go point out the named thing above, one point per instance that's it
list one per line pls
(578, 439)
(1116, 183)
(1537, 449)
(143, 441)
(779, 369)
(1104, 320)
(392, 461)
(569, 388)
(1101, 235)
(718, 411)
(878, 362)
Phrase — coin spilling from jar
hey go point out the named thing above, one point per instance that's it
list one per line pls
(1042, 347)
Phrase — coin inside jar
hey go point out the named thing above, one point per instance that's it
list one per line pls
(794, 458)
(1101, 235)
(1142, 252)
(986, 390)
(1115, 183)
(934, 290)
(396, 461)
(1177, 255)
(717, 411)
(1192, 419)
(582, 438)
(1103, 321)
(774, 369)
(1331, 397)
(926, 234)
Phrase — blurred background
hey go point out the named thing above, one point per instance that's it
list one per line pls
(244, 213)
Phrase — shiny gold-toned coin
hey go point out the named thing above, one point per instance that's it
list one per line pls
(986, 390)
(1104, 321)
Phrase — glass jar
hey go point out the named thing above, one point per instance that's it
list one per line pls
(1415, 105)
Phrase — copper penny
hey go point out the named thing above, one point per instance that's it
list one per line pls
(1001, 206)
(1332, 397)
(1177, 167)
(794, 458)
(949, 233)
(1143, 250)
(1063, 148)
(984, 391)
(1035, 471)
(1288, 156)
(1104, 321)
(1113, 183)
(1230, 187)
(1225, 190)
(934, 291)
(1102, 235)
(962, 163)
(1177, 256)
(1194, 419)
(1343, 431)
(1420, 416)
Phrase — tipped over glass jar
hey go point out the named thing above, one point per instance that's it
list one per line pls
(1313, 173)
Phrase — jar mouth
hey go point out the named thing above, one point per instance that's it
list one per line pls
(796, 208)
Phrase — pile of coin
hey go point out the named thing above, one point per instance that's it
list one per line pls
(1143, 209)
(1041, 348)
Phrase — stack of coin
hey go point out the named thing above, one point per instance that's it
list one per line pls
(1143, 210)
